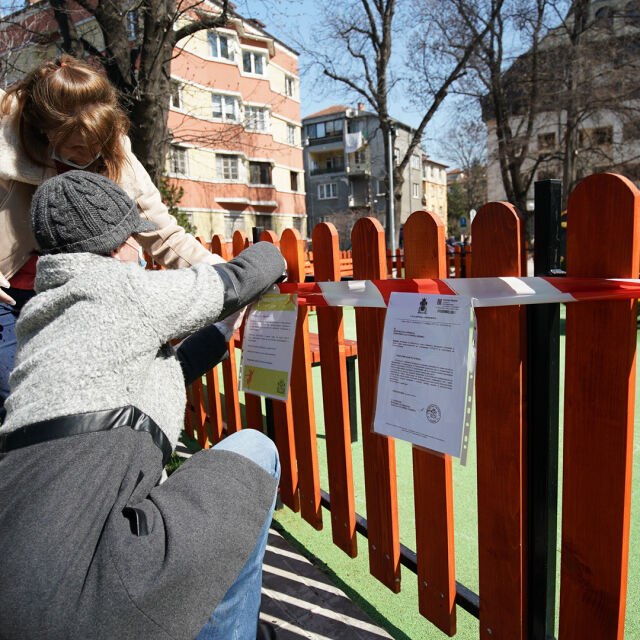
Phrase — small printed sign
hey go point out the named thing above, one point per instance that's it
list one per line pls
(267, 346)
(422, 386)
(463, 222)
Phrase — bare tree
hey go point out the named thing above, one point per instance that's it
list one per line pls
(353, 47)
(544, 101)
(134, 42)
(466, 142)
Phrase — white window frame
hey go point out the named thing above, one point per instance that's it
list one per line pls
(416, 190)
(253, 56)
(215, 48)
(415, 162)
(175, 91)
(328, 191)
(178, 160)
(256, 118)
(291, 134)
(228, 167)
(226, 101)
(289, 86)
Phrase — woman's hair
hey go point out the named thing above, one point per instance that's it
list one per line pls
(67, 96)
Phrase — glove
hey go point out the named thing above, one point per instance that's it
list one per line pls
(249, 275)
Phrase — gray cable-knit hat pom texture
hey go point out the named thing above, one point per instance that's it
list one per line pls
(79, 211)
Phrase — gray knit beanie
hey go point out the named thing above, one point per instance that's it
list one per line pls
(79, 211)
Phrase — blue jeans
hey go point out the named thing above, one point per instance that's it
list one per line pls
(8, 318)
(236, 617)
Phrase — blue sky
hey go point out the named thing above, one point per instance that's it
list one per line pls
(289, 21)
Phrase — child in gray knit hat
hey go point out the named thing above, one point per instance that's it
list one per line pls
(93, 546)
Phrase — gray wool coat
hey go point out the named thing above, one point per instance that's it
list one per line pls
(72, 566)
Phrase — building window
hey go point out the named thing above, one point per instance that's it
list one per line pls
(416, 190)
(382, 188)
(259, 173)
(604, 18)
(175, 97)
(631, 130)
(219, 46)
(327, 191)
(359, 157)
(324, 129)
(596, 137)
(632, 14)
(227, 167)
(335, 163)
(415, 162)
(178, 160)
(256, 118)
(225, 107)
(253, 62)
(294, 180)
(289, 86)
(546, 141)
(133, 27)
(291, 134)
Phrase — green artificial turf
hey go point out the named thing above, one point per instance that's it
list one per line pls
(398, 613)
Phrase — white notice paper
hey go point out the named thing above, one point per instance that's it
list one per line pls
(267, 346)
(423, 370)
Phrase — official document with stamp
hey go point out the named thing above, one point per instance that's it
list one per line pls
(422, 386)
(267, 346)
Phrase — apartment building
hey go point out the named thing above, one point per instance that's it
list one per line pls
(608, 113)
(434, 187)
(234, 119)
(346, 169)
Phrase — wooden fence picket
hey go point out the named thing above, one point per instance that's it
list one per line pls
(501, 430)
(220, 247)
(304, 419)
(283, 429)
(603, 236)
(200, 414)
(369, 263)
(335, 398)
(425, 257)
(188, 415)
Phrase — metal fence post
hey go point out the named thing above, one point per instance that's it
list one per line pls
(543, 357)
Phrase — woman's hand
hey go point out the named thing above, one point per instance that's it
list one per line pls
(5, 297)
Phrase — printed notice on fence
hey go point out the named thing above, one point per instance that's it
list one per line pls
(423, 370)
(267, 346)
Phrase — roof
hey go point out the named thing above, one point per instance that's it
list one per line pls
(336, 108)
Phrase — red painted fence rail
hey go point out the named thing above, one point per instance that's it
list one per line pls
(598, 416)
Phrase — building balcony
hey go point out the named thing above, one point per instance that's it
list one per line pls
(359, 169)
(325, 170)
(314, 142)
(354, 202)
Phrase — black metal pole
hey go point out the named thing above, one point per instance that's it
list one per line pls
(543, 357)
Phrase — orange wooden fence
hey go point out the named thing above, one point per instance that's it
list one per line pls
(598, 418)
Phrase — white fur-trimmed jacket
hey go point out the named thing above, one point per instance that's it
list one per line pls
(19, 177)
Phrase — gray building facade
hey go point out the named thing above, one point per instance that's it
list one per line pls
(346, 169)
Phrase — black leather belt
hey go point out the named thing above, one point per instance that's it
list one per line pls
(91, 422)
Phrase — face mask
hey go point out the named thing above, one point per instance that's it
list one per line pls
(141, 261)
(70, 163)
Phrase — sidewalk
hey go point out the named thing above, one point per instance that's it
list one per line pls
(302, 603)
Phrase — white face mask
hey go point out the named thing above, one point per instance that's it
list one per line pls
(141, 261)
(71, 163)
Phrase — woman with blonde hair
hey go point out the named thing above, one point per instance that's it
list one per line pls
(65, 115)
